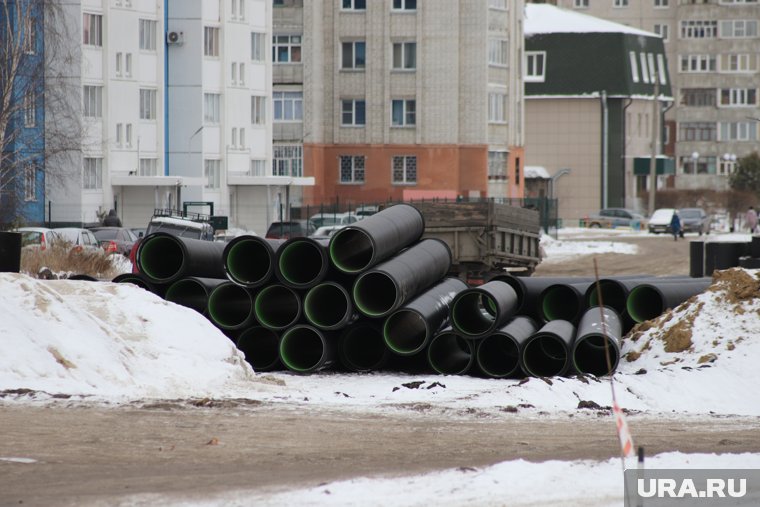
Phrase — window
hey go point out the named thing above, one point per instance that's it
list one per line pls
(286, 48)
(699, 29)
(663, 30)
(353, 55)
(147, 35)
(743, 62)
(405, 170)
(738, 97)
(211, 173)
(698, 97)
(662, 70)
(258, 110)
(92, 29)
(738, 131)
(697, 63)
(497, 103)
(288, 106)
(30, 182)
(652, 69)
(147, 104)
(128, 137)
(119, 133)
(404, 5)
(92, 174)
(644, 68)
(128, 64)
(211, 107)
(535, 66)
(241, 81)
(288, 160)
(697, 131)
(620, 3)
(258, 168)
(234, 137)
(634, 66)
(497, 165)
(234, 73)
(30, 108)
(405, 55)
(354, 5)
(257, 46)
(211, 41)
(148, 167)
(737, 2)
(118, 64)
(353, 113)
(580, 4)
(403, 113)
(738, 28)
(661, 4)
(93, 101)
(237, 9)
(241, 141)
(497, 51)
(28, 41)
(351, 169)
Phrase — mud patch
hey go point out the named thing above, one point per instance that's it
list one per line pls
(678, 337)
(60, 359)
(738, 284)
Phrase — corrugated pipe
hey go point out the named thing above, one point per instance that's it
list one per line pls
(306, 349)
(547, 353)
(589, 350)
(498, 355)
(277, 307)
(450, 354)
(230, 306)
(193, 292)
(261, 347)
(479, 311)
(301, 263)
(249, 260)
(165, 258)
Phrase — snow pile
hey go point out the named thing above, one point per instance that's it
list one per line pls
(557, 250)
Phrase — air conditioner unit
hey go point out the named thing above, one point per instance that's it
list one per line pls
(175, 37)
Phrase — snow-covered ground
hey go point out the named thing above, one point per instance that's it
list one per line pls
(114, 342)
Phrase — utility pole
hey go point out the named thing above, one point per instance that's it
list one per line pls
(653, 159)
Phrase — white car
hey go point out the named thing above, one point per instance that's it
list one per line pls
(326, 231)
(323, 219)
(36, 237)
(82, 240)
(660, 220)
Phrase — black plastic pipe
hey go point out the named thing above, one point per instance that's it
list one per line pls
(306, 349)
(409, 329)
(193, 292)
(10, 252)
(261, 347)
(650, 300)
(362, 347)
(277, 307)
(230, 306)
(479, 311)
(498, 355)
(563, 301)
(302, 263)
(450, 354)
(754, 246)
(697, 259)
(547, 353)
(615, 290)
(328, 306)
(366, 243)
(389, 285)
(724, 254)
(529, 289)
(590, 354)
(249, 260)
(135, 279)
(165, 258)
(83, 277)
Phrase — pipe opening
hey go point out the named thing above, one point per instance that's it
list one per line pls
(277, 307)
(545, 356)
(249, 262)
(474, 313)
(613, 295)
(301, 262)
(351, 250)
(406, 332)
(644, 303)
(589, 356)
(134, 280)
(161, 258)
(498, 356)
(375, 294)
(560, 302)
(301, 349)
(450, 354)
(261, 347)
(327, 305)
(230, 305)
(188, 293)
(363, 349)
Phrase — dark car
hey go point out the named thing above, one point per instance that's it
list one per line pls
(288, 229)
(115, 239)
(694, 220)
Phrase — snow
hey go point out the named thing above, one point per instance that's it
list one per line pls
(536, 171)
(545, 18)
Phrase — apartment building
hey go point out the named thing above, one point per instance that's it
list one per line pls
(399, 99)
(713, 47)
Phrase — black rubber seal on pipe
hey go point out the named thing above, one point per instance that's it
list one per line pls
(261, 347)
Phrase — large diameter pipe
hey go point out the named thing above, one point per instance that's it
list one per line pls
(306, 349)
(563, 301)
(479, 311)
(277, 307)
(328, 306)
(366, 243)
(193, 292)
(529, 289)
(165, 258)
(450, 354)
(724, 254)
(650, 300)
(230, 306)
(498, 355)
(596, 350)
(362, 347)
(547, 353)
(249, 260)
(697, 259)
(261, 347)
(389, 285)
(301, 263)
(141, 281)
(409, 329)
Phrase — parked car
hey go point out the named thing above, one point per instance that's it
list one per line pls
(139, 232)
(326, 231)
(695, 220)
(322, 219)
(36, 237)
(366, 211)
(616, 217)
(115, 239)
(82, 240)
(288, 229)
(660, 220)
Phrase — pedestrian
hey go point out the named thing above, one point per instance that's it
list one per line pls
(675, 225)
(750, 219)
(112, 220)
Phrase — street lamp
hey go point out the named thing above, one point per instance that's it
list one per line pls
(695, 159)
